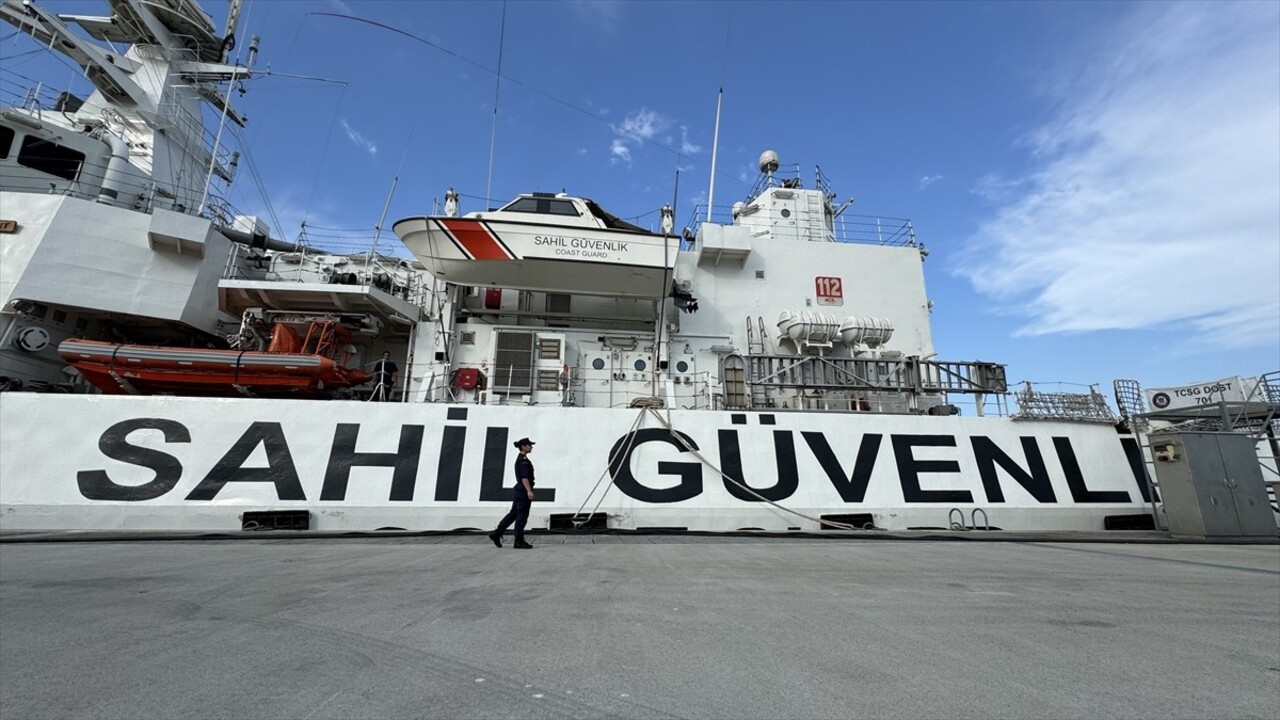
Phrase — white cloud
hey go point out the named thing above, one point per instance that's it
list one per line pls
(590, 105)
(635, 129)
(359, 139)
(340, 6)
(619, 151)
(996, 189)
(699, 202)
(927, 180)
(642, 125)
(1155, 196)
(647, 126)
(686, 147)
(602, 14)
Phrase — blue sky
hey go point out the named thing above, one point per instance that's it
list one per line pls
(1098, 183)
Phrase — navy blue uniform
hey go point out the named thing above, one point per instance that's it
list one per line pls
(520, 501)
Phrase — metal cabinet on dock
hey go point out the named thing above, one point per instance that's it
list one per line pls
(1212, 484)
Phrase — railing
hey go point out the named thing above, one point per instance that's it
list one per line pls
(847, 227)
(170, 117)
(587, 388)
(365, 269)
(902, 375)
(31, 95)
(187, 130)
(1080, 407)
(136, 193)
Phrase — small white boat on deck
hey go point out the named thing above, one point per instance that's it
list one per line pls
(543, 241)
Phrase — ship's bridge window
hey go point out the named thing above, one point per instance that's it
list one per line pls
(6, 139)
(49, 157)
(542, 206)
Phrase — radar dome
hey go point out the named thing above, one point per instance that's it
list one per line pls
(768, 161)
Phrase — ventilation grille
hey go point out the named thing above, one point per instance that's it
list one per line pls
(549, 349)
(513, 362)
(548, 380)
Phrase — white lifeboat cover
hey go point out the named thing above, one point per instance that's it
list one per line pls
(866, 330)
(808, 327)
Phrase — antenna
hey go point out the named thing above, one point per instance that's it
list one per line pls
(715, 140)
(497, 85)
(715, 146)
(222, 120)
(377, 229)
(668, 225)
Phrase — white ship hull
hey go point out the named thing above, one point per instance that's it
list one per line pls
(531, 256)
(838, 412)
(198, 464)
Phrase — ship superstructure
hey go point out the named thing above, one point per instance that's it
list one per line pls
(115, 222)
(784, 305)
(770, 366)
(115, 228)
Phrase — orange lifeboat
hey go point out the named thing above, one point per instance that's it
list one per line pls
(311, 367)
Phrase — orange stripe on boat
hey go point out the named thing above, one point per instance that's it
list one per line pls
(476, 239)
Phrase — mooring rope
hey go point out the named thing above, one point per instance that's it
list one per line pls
(631, 438)
(679, 438)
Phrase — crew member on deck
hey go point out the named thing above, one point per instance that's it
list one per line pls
(384, 375)
(521, 500)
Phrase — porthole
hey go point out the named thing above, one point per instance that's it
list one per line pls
(598, 363)
(786, 213)
(682, 366)
(639, 364)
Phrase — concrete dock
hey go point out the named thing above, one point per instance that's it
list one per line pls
(637, 627)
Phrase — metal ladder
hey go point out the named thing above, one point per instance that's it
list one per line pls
(815, 226)
(1132, 405)
(1269, 385)
(758, 395)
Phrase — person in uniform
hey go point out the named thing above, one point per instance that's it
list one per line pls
(521, 499)
(384, 375)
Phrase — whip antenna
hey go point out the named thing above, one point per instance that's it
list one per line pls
(497, 86)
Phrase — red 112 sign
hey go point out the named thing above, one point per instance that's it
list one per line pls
(830, 290)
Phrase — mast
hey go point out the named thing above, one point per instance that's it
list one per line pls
(233, 20)
(715, 145)
(659, 332)
(222, 120)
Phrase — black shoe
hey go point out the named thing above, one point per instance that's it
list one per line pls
(522, 545)
(496, 538)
